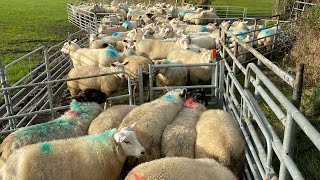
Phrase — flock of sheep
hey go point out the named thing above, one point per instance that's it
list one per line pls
(155, 35)
(172, 137)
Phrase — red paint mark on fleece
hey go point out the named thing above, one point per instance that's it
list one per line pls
(71, 113)
(191, 103)
(137, 176)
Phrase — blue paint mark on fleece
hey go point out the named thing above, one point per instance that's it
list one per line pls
(265, 32)
(130, 12)
(110, 46)
(126, 24)
(115, 34)
(103, 38)
(188, 11)
(169, 97)
(103, 137)
(204, 29)
(46, 147)
(112, 53)
(241, 34)
(132, 53)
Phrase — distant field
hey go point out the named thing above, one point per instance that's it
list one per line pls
(26, 25)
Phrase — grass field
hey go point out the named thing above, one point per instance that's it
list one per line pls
(26, 25)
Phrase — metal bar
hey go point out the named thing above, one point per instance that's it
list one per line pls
(305, 125)
(187, 87)
(24, 56)
(49, 86)
(141, 98)
(150, 82)
(221, 84)
(290, 128)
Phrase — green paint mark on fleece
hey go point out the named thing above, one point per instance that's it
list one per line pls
(46, 147)
(101, 138)
(75, 105)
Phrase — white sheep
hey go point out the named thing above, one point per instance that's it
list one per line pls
(109, 118)
(89, 157)
(89, 57)
(107, 29)
(197, 74)
(74, 122)
(219, 137)
(135, 34)
(267, 36)
(151, 118)
(206, 42)
(129, 25)
(179, 137)
(148, 34)
(180, 168)
(172, 76)
(107, 84)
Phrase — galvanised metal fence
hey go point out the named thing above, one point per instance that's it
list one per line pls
(85, 19)
(246, 103)
(299, 7)
(39, 95)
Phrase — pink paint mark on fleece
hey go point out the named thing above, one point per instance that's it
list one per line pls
(137, 176)
(190, 103)
(71, 113)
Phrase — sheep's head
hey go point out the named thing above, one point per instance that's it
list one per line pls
(148, 34)
(91, 95)
(128, 141)
(118, 67)
(198, 96)
(168, 33)
(185, 41)
(70, 46)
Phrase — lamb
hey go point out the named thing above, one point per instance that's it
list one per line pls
(129, 25)
(197, 74)
(75, 122)
(107, 84)
(156, 49)
(148, 34)
(172, 76)
(135, 60)
(179, 137)
(267, 36)
(89, 57)
(206, 42)
(180, 168)
(107, 29)
(151, 119)
(109, 118)
(219, 137)
(89, 157)
(135, 34)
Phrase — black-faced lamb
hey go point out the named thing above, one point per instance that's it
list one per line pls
(97, 157)
(75, 122)
(219, 137)
(109, 118)
(180, 168)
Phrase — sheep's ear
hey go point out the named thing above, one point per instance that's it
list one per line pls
(69, 42)
(125, 63)
(129, 128)
(75, 40)
(113, 65)
(119, 137)
(125, 40)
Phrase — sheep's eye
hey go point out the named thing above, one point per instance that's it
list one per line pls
(127, 142)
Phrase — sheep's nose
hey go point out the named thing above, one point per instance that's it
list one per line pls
(142, 152)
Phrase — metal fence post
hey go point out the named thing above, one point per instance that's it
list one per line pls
(290, 129)
(49, 85)
(140, 83)
(7, 96)
(221, 83)
(150, 82)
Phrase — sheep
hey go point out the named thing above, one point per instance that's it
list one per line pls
(135, 34)
(109, 118)
(110, 20)
(151, 118)
(107, 84)
(155, 49)
(219, 137)
(267, 36)
(89, 157)
(180, 168)
(197, 74)
(172, 76)
(179, 137)
(129, 25)
(89, 57)
(206, 42)
(75, 122)
(148, 34)
(107, 29)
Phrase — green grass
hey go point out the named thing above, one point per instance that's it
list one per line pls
(27, 25)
